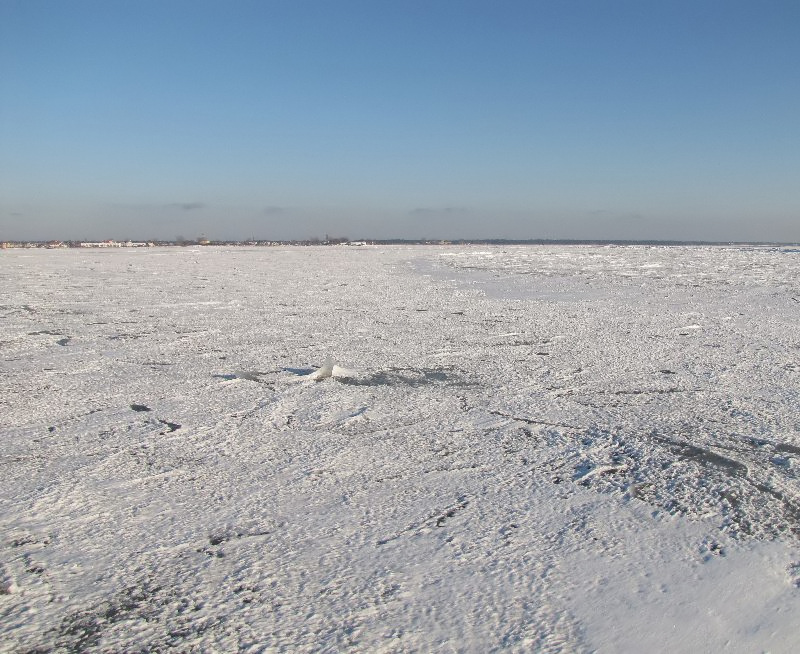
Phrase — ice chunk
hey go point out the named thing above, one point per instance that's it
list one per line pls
(330, 369)
(324, 372)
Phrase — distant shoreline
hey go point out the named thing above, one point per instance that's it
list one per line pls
(56, 244)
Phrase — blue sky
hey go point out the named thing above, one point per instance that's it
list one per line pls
(435, 119)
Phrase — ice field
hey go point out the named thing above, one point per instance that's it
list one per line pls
(522, 449)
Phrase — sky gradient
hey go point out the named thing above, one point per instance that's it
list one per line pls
(376, 119)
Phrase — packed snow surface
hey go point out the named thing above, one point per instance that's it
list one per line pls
(400, 449)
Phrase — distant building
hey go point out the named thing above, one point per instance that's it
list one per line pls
(115, 244)
(100, 244)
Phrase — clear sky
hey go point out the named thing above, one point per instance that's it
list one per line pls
(281, 119)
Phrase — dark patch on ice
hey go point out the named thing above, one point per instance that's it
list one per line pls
(140, 407)
(189, 332)
(794, 574)
(29, 539)
(750, 495)
(710, 549)
(300, 371)
(48, 332)
(789, 449)
(437, 519)
(215, 539)
(413, 377)
(218, 554)
(171, 426)
(249, 375)
(791, 509)
(82, 631)
(63, 341)
(452, 511)
(704, 457)
(646, 391)
(532, 421)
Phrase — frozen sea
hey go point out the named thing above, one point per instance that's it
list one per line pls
(507, 449)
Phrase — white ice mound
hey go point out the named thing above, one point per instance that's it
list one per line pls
(330, 369)
(324, 372)
(338, 371)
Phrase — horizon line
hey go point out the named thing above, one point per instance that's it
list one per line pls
(392, 241)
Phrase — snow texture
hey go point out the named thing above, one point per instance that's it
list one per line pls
(553, 449)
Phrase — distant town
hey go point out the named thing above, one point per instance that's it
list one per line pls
(203, 241)
(179, 242)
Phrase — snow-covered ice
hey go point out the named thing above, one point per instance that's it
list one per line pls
(400, 449)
